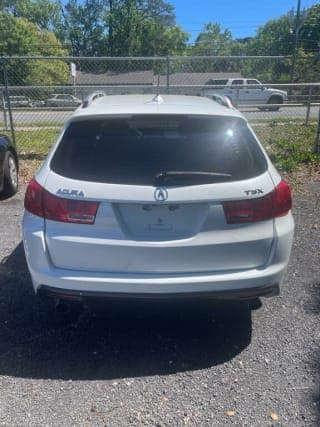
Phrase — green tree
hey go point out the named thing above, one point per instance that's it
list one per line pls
(48, 72)
(43, 13)
(117, 27)
(20, 37)
(137, 27)
(82, 26)
(157, 10)
(277, 37)
(212, 41)
(158, 40)
(105, 27)
(309, 33)
(307, 68)
(126, 24)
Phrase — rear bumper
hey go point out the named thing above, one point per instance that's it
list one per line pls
(266, 291)
(233, 284)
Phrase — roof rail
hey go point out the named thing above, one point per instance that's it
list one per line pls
(92, 97)
(221, 99)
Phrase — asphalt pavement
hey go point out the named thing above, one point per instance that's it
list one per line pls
(195, 364)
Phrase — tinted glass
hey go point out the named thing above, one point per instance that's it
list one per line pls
(237, 82)
(133, 150)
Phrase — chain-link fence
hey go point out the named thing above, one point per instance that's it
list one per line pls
(39, 94)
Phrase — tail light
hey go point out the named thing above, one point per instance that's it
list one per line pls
(275, 204)
(40, 202)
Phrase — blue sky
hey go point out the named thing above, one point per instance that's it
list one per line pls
(242, 17)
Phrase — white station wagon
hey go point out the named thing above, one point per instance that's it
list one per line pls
(151, 196)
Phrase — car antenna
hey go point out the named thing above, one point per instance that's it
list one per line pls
(158, 85)
(158, 98)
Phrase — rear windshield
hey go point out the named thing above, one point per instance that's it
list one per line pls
(133, 150)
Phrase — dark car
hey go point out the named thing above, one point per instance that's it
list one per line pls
(19, 102)
(62, 100)
(9, 167)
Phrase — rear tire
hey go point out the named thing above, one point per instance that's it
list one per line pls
(275, 100)
(10, 175)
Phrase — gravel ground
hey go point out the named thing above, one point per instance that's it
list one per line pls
(163, 364)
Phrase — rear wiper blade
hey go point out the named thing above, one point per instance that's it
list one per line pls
(192, 173)
(163, 177)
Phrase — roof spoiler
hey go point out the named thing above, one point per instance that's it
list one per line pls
(92, 97)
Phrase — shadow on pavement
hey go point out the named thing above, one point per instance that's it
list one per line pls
(114, 340)
(312, 307)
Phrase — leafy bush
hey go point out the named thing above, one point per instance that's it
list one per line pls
(288, 144)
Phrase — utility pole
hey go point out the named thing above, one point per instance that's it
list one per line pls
(111, 53)
(295, 46)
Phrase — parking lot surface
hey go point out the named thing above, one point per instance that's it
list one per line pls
(196, 364)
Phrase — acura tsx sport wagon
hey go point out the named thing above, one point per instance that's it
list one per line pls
(151, 196)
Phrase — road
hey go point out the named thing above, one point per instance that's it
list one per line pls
(27, 118)
(162, 365)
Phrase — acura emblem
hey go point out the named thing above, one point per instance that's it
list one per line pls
(160, 194)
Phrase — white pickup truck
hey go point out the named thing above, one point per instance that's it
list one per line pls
(243, 91)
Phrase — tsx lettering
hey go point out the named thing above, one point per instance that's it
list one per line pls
(254, 192)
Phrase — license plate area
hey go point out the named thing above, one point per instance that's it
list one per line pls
(160, 227)
(160, 218)
(161, 221)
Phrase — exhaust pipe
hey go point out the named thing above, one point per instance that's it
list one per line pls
(61, 306)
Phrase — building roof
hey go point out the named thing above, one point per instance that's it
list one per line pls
(147, 77)
(112, 78)
(149, 104)
(198, 79)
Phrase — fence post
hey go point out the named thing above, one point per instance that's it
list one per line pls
(3, 101)
(309, 105)
(237, 97)
(7, 97)
(168, 73)
(317, 143)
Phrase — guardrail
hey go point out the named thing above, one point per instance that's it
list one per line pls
(300, 106)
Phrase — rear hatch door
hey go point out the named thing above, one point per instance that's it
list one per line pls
(145, 224)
